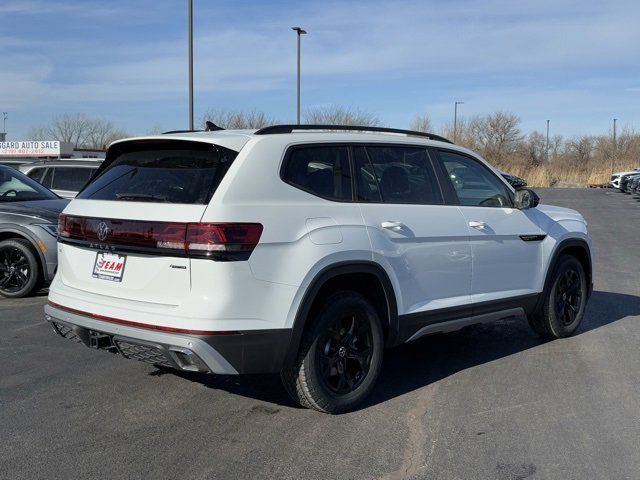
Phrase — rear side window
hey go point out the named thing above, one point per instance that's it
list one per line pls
(320, 170)
(71, 178)
(163, 171)
(396, 174)
(47, 180)
(36, 174)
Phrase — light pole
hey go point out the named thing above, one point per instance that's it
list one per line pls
(455, 120)
(300, 32)
(3, 135)
(547, 140)
(190, 22)
(615, 145)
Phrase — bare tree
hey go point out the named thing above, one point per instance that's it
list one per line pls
(100, 133)
(156, 130)
(535, 148)
(237, 119)
(337, 115)
(421, 123)
(497, 135)
(80, 130)
(580, 149)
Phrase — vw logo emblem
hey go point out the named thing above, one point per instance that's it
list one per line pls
(103, 231)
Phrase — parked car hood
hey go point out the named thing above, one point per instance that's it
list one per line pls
(560, 213)
(47, 210)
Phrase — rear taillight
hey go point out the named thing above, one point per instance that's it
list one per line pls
(205, 238)
(219, 241)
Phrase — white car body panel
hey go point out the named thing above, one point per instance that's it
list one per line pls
(428, 253)
(434, 261)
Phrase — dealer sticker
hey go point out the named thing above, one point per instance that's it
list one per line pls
(109, 266)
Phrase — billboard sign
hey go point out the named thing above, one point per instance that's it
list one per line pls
(35, 148)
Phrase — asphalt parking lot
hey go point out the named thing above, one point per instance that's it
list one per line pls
(490, 402)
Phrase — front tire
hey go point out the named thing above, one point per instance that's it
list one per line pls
(19, 269)
(340, 355)
(564, 303)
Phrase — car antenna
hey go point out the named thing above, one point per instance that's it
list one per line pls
(212, 127)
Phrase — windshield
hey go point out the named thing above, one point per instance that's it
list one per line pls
(160, 171)
(17, 187)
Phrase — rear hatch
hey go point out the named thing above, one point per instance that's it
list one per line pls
(125, 235)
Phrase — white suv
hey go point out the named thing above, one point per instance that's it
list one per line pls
(615, 178)
(306, 250)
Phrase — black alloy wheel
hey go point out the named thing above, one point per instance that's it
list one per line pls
(563, 302)
(340, 354)
(19, 269)
(345, 353)
(568, 296)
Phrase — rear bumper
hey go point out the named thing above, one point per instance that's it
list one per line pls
(252, 351)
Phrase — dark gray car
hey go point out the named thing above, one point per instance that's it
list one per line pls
(28, 231)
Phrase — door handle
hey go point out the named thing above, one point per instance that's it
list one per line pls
(392, 225)
(478, 225)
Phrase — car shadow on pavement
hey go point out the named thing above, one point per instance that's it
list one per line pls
(425, 361)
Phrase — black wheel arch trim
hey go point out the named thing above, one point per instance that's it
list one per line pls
(27, 235)
(559, 249)
(335, 270)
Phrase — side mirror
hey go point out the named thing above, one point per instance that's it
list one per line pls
(526, 198)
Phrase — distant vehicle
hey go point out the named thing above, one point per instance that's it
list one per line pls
(65, 177)
(634, 185)
(625, 181)
(615, 178)
(514, 181)
(28, 231)
(14, 163)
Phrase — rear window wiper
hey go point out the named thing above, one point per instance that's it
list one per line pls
(140, 197)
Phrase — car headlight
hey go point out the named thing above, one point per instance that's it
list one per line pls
(51, 228)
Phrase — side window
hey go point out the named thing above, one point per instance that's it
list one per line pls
(47, 180)
(475, 185)
(395, 174)
(322, 171)
(36, 174)
(71, 178)
(368, 187)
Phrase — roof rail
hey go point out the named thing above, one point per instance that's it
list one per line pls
(211, 127)
(181, 131)
(278, 129)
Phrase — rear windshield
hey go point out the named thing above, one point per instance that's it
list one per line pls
(163, 171)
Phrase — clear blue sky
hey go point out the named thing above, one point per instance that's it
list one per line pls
(574, 62)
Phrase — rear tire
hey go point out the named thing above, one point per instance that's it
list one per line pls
(20, 272)
(340, 356)
(565, 300)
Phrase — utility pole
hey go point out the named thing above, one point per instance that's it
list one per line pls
(190, 22)
(3, 135)
(615, 145)
(547, 141)
(300, 32)
(455, 120)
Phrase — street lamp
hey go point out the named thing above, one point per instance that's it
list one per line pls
(547, 140)
(190, 26)
(300, 32)
(455, 120)
(4, 122)
(615, 145)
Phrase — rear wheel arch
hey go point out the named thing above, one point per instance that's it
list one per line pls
(13, 234)
(366, 278)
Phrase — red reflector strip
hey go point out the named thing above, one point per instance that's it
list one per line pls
(146, 326)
